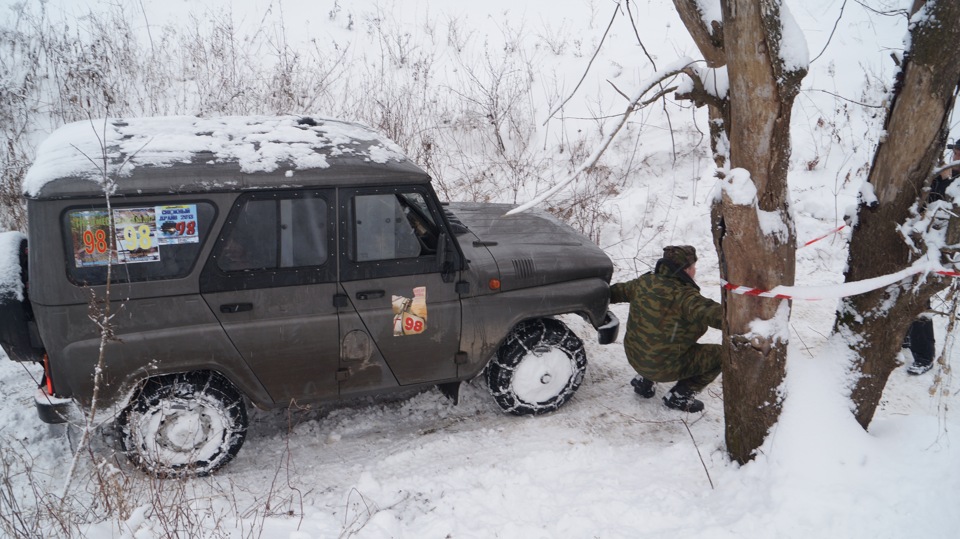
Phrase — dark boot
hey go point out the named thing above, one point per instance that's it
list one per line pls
(922, 344)
(681, 398)
(920, 365)
(643, 387)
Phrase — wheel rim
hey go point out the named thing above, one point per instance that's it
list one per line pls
(178, 432)
(543, 374)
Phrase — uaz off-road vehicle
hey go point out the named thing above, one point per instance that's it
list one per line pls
(271, 261)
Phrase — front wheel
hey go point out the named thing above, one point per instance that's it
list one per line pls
(187, 424)
(538, 368)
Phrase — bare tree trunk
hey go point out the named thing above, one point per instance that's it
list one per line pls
(916, 129)
(755, 240)
(753, 226)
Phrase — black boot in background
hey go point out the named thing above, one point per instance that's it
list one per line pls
(920, 365)
(922, 344)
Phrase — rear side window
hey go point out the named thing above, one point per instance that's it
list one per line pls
(143, 242)
(277, 232)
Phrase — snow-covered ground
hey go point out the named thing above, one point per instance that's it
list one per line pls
(608, 464)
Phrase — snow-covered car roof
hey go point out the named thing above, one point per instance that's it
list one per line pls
(183, 154)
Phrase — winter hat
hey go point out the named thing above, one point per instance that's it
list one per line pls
(682, 256)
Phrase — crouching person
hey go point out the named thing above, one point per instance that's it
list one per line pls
(667, 317)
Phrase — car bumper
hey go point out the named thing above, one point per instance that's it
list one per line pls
(52, 409)
(607, 333)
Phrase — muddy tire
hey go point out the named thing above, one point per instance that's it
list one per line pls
(183, 425)
(538, 368)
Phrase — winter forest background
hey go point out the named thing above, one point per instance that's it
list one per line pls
(498, 101)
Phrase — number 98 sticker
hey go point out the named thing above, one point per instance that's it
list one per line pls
(177, 224)
(139, 233)
(410, 315)
(136, 235)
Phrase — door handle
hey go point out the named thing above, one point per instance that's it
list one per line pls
(236, 307)
(370, 294)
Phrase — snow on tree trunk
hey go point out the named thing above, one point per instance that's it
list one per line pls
(915, 133)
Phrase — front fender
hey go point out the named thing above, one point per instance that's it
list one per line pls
(488, 320)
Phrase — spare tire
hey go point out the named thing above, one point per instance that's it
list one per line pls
(18, 330)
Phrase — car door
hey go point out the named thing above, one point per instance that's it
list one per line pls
(271, 281)
(390, 272)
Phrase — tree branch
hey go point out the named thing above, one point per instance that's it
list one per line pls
(587, 70)
(699, 94)
(636, 32)
(708, 39)
(830, 37)
(636, 103)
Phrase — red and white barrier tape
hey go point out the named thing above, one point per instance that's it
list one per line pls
(836, 291)
(832, 232)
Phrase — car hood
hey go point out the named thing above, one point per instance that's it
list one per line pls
(531, 248)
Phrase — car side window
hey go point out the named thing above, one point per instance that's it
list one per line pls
(381, 229)
(276, 232)
(388, 232)
(145, 242)
(251, 243)
(303, 232)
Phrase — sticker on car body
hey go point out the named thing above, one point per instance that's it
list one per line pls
(90, 232)
(177, 224)
(410, 314)
(136, 230)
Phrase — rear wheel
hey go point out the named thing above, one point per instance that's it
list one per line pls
(188, 424)
(538, 368)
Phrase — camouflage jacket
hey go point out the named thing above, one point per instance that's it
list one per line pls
(667, 316)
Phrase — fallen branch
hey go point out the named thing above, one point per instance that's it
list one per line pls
(697, 447)
(685, 425)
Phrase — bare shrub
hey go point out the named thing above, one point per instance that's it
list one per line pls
(479, 139)
(14, 163)
(490, 138)
(25, 504)
(587, 206)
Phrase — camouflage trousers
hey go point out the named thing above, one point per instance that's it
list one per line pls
(695, 368)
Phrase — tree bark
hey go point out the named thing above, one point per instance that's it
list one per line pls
(916, 128)
(754, 237)
(753, 122)
(709, 39)
(756, 242)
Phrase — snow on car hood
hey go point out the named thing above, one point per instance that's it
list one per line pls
(532, 248)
